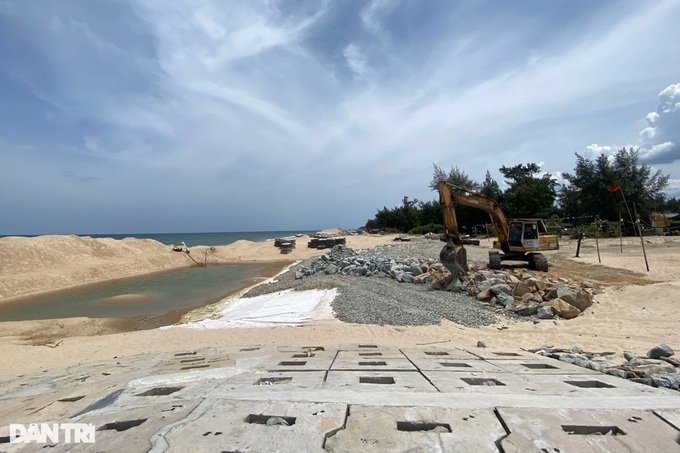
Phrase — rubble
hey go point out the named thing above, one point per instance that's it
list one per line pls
(657, 372)
(518, 291)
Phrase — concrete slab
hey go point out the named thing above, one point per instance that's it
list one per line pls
(238, 390)
(223, 425)
(268, 382)
(436, 353)
(373, 363)
(369, 354)
(299, 362)
(456, 365)
(366, 347)
(379, 381)
(307, 349)
(195, 362)
(586, 431)
(484, 383)
(670, 416)
(502, 354)
(540, 366)
(399, 429)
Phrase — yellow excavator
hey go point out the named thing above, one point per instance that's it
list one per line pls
(518, 239)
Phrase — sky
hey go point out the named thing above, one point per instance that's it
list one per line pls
(148, 116)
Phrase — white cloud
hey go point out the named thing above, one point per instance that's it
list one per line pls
(593, 151)
(356, 60)
(661, 138)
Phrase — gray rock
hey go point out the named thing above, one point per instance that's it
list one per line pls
(663, 350)
(505, 300)
(501, 288)
(565, 293)
(545, 312)
(628, 355)
(669, 381)
(616, 372)
(481, 344)
(527, 308)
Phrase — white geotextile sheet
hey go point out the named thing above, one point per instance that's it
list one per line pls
(281, 308)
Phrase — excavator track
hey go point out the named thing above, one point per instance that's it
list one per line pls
(540, 262)
(494, 260)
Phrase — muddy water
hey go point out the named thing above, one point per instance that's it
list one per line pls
(145, 296)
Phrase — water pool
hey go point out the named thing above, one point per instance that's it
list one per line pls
(144, 296)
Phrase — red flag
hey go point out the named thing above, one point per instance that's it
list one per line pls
(613, 189)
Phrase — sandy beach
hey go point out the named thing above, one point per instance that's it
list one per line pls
(636, 310)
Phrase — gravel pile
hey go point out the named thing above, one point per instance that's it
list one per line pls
(384, 301)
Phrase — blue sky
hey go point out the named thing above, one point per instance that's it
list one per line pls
(134, 116)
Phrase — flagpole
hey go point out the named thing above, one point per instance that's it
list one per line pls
(627, 208)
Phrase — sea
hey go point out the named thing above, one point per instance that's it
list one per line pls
(155, 295)
(208, 239)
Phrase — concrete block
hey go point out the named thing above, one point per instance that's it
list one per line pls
(373, 363)
(268, 382)
(538, 366)
(502, 354)
(436, 353)
(224, 425)
(483, 382)
(568, 430)
(426, 429)
(369, 354)
(378, 381)
(456, 365)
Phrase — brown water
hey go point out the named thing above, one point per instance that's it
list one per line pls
(145, 296)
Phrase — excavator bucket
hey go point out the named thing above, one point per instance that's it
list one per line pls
(454, 257)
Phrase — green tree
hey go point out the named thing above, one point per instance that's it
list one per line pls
(529, 195)
(491, 189)
(455, 176)
(587, 194)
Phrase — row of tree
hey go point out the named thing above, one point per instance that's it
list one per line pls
(608, 187)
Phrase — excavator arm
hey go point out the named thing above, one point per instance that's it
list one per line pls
(453, 255)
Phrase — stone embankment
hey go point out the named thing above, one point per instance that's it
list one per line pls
(657, 368)
(519, 292)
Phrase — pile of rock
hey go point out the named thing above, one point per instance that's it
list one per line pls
(656, 368)
(345, 261)
(525, 293)
(520, 292)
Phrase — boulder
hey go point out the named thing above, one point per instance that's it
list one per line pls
(527, 308)
(505, 300)
(663, 350)
(536, 283)
(485, 294)
(671, 381)
(520, 289)
(501, 288)
(583, 300)
(565, 293)
(564, 309)
(544, 311)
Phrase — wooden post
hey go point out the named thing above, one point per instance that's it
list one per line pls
(578, 244)
(620, 232)
(597, 243)
(642, 241)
